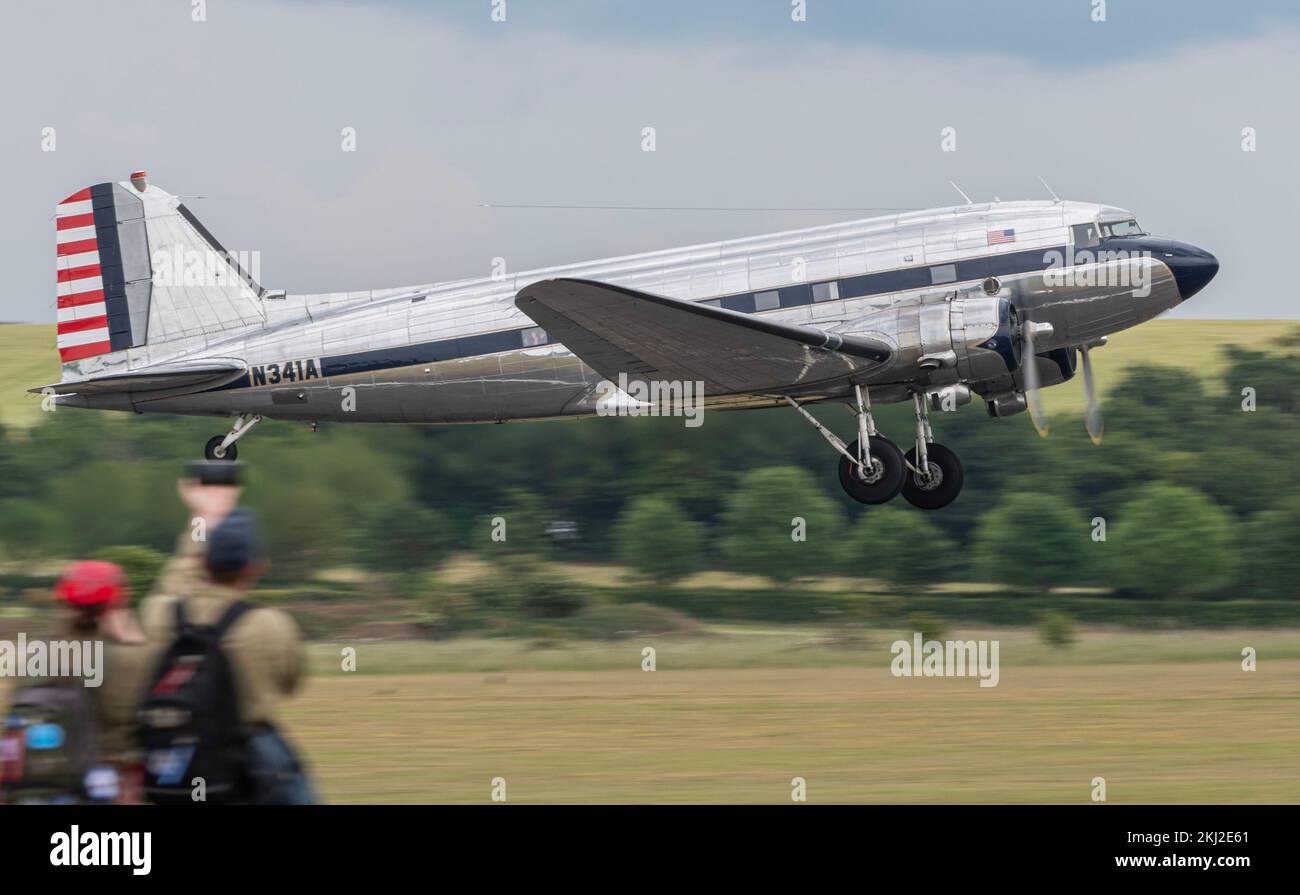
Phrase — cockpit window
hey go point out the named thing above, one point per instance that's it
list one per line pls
(1122, 228)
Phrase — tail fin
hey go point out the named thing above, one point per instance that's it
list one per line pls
(136, 268)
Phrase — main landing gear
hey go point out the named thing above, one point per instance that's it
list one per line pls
(222, 447)
(872, 470)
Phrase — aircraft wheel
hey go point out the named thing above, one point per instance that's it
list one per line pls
(941, 486)
(214, 444)
(884, 477)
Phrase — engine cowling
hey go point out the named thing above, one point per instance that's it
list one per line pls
(973, 338)
(1054, 367)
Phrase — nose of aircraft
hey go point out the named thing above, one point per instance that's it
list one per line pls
(1192, 267)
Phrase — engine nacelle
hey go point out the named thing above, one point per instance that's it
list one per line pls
(972, 339)
(950, 397)
(1054, 367)
(1007, 404)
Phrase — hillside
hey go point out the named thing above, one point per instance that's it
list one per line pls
(28, 358)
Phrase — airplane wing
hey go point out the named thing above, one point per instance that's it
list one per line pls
(616, 330)
(149, 379)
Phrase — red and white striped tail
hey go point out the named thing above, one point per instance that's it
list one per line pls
(82, 312)
(110, 296)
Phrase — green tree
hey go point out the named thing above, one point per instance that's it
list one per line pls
(403, 538)
(308, 494)
(778, 523)
(518, 527)
(1170, 541)
(1268, 563)
(140, 565)
(1032, 540)
(115, 502)
(658, 540)
(901, 545)
(27, 528)
(1056, 628)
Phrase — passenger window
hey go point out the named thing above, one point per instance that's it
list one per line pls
(534, 336)
(826, 291)
(944, 273)
(767, 301)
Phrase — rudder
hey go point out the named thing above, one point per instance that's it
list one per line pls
(136, 268)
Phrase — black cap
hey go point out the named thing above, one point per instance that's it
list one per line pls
(235, 543)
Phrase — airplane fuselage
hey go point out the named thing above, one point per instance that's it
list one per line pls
(463, 352)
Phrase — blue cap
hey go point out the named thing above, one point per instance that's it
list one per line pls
(234, 544)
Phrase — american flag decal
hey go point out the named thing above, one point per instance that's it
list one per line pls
(1000, 237)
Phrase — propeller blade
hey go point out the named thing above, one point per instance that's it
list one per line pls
(1092, 412)
(1032, 398)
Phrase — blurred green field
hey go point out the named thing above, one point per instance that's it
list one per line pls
(731, 716)
(1193, 345)
(28, 358)
(1163, 717)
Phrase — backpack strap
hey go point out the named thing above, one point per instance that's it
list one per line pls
(234, 613)
(228, 618)
(179, 614)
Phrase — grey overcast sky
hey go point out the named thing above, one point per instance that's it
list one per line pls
(1144, 110)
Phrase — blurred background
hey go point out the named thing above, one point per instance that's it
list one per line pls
(524, 658)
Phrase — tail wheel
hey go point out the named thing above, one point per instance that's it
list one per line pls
(214, 445)
(882, 478)
(940, 484)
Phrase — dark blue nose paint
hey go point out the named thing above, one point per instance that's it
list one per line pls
(1192, 267)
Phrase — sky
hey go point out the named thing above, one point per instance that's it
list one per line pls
(246, 107)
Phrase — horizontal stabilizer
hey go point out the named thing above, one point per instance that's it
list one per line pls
(151, 379)
(650, 337)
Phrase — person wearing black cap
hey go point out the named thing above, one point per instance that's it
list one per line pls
(263, 644)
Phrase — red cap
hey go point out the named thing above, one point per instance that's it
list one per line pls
(91, 582)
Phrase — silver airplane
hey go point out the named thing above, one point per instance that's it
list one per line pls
(996, 299)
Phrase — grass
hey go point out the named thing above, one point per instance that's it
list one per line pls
(1192, 345)
(756, 646)
(1165, 717)
(1157, 731)
(28, 358)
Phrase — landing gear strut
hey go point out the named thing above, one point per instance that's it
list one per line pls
(222, 447)
(871, 469)
(934, 473)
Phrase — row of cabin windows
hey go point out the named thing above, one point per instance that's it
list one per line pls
(769, 300)
(798, 295)
(795, 296)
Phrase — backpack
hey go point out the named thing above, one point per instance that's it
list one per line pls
(48, 744)
(188, 723)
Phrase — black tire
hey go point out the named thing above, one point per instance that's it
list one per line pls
(210, 449)
(888, 472)
(943, 486)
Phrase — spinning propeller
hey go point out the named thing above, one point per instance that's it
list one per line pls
(1092, 408)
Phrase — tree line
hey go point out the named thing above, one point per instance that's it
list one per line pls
(1194, 491)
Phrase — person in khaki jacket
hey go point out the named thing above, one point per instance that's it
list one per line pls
(264, 646)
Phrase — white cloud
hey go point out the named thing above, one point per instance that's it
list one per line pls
(247, 108)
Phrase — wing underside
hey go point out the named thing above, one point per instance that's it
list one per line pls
(650, 337)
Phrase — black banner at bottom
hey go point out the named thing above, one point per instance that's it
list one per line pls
(334, 844)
